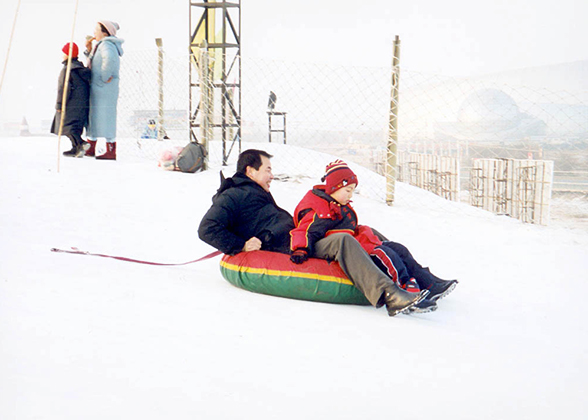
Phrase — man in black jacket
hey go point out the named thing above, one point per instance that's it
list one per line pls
(245, 217)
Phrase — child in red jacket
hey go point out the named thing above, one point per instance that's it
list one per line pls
(326, 209)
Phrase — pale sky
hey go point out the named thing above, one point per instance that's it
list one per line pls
(453, 37)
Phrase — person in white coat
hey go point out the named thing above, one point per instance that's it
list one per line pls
(104, 61)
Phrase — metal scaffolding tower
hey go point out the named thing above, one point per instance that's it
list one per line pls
(217, 33)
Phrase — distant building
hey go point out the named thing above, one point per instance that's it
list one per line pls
(490, 115)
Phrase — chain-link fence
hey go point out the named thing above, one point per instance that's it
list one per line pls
(345, 112)
(139, 102)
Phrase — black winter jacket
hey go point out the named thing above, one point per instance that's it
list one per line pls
(241, 209)
(78, 99)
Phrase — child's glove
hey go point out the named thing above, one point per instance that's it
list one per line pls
(299, 256)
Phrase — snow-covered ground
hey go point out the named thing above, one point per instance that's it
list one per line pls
(92, 338)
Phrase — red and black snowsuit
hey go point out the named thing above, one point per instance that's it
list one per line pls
(318, 215)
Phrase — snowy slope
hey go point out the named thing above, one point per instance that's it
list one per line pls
(92, 338)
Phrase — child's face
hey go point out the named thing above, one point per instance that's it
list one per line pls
(343, 195)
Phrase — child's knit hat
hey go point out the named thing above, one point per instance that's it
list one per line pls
(74, 49)
(338, 175)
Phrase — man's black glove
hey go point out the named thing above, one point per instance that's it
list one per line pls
(299, 256)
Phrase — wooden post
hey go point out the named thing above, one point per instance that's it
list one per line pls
(9, 45)
(65, 86)
(392, 148)
(159, 43)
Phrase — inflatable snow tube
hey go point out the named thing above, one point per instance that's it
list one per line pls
(272, 273)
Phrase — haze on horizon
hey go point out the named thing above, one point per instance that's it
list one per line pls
(454, 38)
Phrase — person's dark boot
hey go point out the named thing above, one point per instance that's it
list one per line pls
(441, 288)
(398, 300)
(70, 153)
(424, 306)
(110, 152)
(81, 149)
(92, 149)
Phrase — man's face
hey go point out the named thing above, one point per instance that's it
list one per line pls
(262, 176)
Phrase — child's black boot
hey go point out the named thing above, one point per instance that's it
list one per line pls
(441, 288)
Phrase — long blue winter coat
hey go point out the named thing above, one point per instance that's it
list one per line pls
(105, 63)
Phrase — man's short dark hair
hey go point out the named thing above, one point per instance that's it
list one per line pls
(251, 157)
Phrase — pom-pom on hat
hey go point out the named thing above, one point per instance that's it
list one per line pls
(110, 26)
(338, 175)
(74, 49)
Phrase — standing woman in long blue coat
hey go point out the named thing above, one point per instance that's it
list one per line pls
(104, 61)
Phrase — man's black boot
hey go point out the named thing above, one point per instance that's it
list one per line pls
(398, 300)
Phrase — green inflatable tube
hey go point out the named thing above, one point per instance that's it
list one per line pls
(272, 273)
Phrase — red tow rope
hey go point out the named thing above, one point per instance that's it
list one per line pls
(77, 251)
